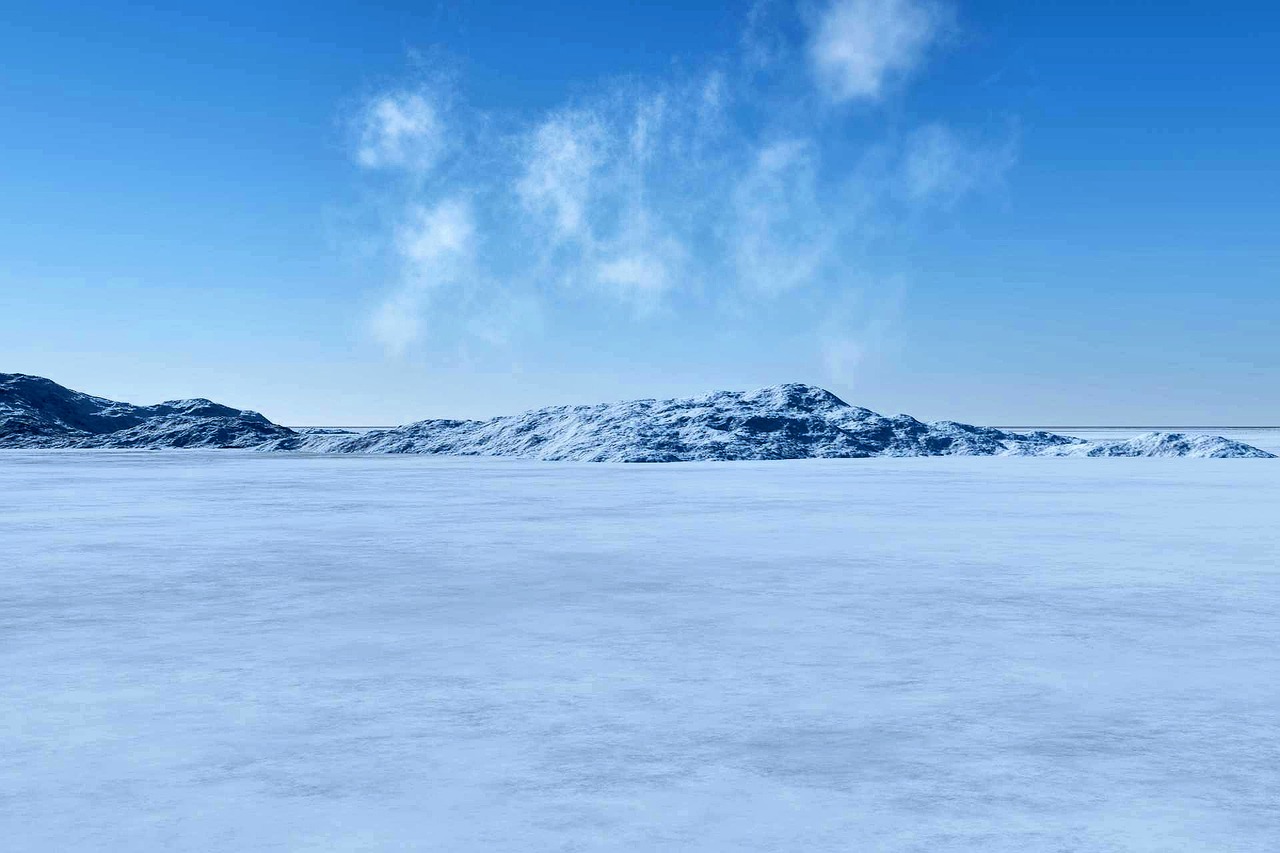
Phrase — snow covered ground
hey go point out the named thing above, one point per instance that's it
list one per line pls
(244, 651)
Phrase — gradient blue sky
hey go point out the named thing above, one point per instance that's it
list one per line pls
(998, 212)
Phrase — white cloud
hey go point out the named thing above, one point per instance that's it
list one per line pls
(400, 130)
(940, 167)
(713, 97)
(641, 266)
(561, 157)
(781, 236)
(647, 129)
(433, 239)
(642, 277)
(397, 321)
(501, 318)
(763, 42)
(842, 355)
(858, 46)
(586, 183)
(434, 246)
(856, 326)
(718, 189)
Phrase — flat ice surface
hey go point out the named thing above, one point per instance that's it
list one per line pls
(239, 651)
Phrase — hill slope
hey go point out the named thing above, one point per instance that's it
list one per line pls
(36, 412)
(782, 422)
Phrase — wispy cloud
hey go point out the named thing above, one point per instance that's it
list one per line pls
(434, 239)
(686, 193)
(560, 158)
(434, 247)
(400, 130)
(858, 47)
(593, 184)
(781, 236)
(856, 325)
(764, 42)
(941, 166)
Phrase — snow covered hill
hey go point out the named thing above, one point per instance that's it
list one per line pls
(782, 422)
(35, 412)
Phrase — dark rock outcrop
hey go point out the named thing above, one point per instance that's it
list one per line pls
(36, 412)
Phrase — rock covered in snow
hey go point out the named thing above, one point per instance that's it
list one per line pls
(1164, 444)
(782, 422)
(36, 412)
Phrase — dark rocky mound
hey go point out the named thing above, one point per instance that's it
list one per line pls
(35, 412)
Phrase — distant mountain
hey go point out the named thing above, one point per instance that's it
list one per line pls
(782, 422)
(36, 412)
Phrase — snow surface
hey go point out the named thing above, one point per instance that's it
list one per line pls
(241, 651)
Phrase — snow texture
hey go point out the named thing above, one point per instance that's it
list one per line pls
(285, 652)
(36, 412)
(782, 422)
(1263, 438)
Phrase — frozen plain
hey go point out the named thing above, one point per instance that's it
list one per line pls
(233, 650)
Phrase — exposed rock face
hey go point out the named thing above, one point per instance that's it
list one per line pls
(782, 422)
(36, 412)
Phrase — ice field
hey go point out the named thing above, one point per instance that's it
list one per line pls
(243, 651)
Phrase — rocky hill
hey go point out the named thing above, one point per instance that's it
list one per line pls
(36, 412)
(782, 422)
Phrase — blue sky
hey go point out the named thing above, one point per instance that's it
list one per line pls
(999, 212)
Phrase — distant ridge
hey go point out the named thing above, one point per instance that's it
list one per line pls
(781, 422)
(37, 412)
(792, 421)
(1149, 427)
